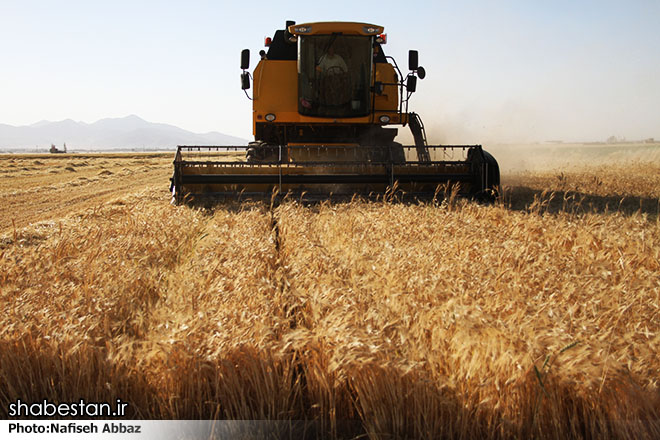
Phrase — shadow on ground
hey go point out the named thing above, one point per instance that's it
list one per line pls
(524, 198)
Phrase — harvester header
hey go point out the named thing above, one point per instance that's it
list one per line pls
(326, 104)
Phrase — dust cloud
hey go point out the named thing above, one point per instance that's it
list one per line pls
(517, 147)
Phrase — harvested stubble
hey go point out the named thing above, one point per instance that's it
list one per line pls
(428, 321)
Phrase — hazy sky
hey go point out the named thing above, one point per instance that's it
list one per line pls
(496, 71)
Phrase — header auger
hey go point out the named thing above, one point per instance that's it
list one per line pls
(325, 100)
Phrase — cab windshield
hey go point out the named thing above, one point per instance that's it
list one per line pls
(334, 74)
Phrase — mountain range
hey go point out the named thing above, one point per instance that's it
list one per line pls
(130, 132)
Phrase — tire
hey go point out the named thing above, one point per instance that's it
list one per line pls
(397, 155)
(261, 152)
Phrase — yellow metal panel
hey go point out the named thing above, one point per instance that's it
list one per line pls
(389, 100)
(344, 27)
(296, 118)
(280, 90)
(275, 90)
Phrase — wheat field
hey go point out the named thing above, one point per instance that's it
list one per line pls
(535, 317)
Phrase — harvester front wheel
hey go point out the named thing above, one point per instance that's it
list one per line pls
(261, 152)
(397, 154)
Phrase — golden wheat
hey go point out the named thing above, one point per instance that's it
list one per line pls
(530, 318)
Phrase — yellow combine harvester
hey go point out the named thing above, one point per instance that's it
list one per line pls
(325, 98)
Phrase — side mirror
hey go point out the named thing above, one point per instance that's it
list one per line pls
(413, 60)
(245, 80)
(245, 59)
(411, 84)
(421, 72)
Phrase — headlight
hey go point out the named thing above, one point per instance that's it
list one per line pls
(270, 117)
(384, 119)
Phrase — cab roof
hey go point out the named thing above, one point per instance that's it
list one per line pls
(332, 27)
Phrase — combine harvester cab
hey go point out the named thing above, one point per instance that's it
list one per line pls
(325, 100)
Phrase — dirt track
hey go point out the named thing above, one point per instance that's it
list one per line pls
(37, 188)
